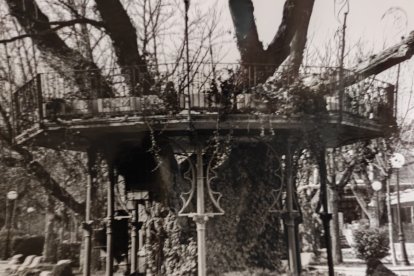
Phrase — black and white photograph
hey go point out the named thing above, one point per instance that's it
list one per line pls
(206, 137)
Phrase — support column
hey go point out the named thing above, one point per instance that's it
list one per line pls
(200, 219)
(134, 238)
(401, 238)
(87, 226)
(325, 215)
(109, 221)
(390, 224)
(199, 182)
(292, 215)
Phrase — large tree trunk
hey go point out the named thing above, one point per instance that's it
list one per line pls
(248, 236)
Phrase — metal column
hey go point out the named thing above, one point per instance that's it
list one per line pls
(200, 218)
(401, 238)
(325, 215)
(109, 221)
(134, 238)
(87, 226)
(201, 189)
(292, 215)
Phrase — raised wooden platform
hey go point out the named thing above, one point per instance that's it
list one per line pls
(49, 111)
(77, 134)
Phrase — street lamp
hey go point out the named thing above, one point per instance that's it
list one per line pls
(10, 196)
(30, 210)
(377, 186)
(397, 162)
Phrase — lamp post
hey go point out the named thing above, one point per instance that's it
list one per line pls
(11, 196)
(397, 162)
(377, 186)
(30, 210)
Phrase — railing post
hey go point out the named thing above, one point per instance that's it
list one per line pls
(39, 97)
(391, 105)
(15, 113)
(133, 82)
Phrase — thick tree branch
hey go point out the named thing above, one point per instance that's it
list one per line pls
(43, 177)
(60, 25)
(304, 12)
(35, 168)
(123, 34)
(251, 49)
(119, 27)
(54, 50)
(279, 48)
(382, 61)
(376, 63)
(81, 20)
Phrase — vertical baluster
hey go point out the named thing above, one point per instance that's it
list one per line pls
(39, 96)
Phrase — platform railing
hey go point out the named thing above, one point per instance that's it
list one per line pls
(167, 89)
(27, 106)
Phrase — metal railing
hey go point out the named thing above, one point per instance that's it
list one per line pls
(166, 88)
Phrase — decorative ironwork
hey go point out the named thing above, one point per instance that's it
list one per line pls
(191, 177)
(214, 196)
(186, 197)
